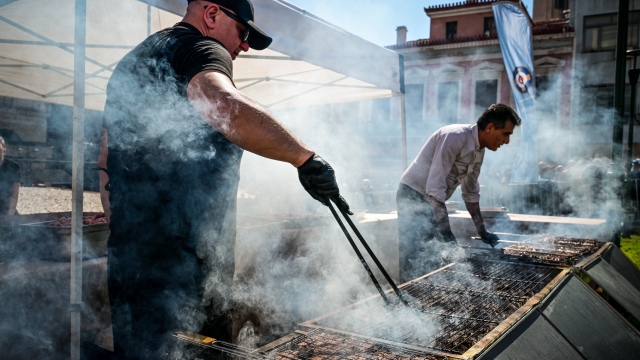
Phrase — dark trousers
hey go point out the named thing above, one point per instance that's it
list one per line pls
(421, 247)
(154, 294)
(159, 283)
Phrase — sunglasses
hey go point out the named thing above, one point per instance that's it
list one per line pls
(245, 36)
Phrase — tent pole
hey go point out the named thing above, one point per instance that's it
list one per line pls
(404, 133)
(148, 20)
(77, 180)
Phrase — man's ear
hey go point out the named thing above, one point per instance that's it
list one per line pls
(210, 14)
(490, 127)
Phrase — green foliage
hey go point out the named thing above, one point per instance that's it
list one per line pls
(631, 248)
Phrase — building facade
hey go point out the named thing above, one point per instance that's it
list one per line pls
(594, 73)
(456, 73)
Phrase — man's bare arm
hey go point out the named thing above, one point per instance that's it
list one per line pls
(242, 120)
(104, 177)
(13, 202)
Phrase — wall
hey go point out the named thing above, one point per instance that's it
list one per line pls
(545, 9)
(23, 120)
(468, 25)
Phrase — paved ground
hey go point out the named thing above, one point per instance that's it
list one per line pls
(37, 200)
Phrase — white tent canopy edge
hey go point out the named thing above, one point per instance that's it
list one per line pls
(310, 61)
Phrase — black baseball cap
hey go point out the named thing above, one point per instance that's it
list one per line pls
(258, 39)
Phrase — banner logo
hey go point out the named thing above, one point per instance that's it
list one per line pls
(522, 79)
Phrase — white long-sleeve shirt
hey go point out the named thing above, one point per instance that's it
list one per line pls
(452, 156)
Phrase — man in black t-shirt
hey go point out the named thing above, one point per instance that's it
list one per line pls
(174, 130)
(9, 182)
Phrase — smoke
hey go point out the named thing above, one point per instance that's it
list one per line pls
(350, 137)
(287, 274)
(581, 191)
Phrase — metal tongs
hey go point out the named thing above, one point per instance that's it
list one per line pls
(362, 260)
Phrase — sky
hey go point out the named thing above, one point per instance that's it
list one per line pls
(377, 20)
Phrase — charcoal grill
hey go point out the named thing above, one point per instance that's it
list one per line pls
(464, 311)
(465, 301)
(484, 308)
(552, 250)
(325, 344)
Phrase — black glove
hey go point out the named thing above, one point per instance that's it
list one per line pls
(489, 238)
(319, 179)
(447, 236)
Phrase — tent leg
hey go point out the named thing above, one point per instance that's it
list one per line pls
(76, 304)
(148, 20)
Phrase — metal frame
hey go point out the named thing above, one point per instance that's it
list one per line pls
(77, 182)
(64, 46)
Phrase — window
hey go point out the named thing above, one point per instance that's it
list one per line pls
(562, 4)
(489, 26)
(486, 95)
(600, 32)
(547, 93)
(452, 30)
(414, 100)
(596, 104)
(448, 101)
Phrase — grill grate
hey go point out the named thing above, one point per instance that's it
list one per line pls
(456, 306)
(325, 344)
(552, 250)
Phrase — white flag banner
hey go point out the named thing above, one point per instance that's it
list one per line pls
(514, 35)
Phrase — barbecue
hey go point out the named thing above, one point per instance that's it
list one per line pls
(452, 313)
(552, 250)
(458, 305)
(325, 344)
(86, 220)
(455, 312)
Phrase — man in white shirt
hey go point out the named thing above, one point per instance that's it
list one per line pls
(451, 157)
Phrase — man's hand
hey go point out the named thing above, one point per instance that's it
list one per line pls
(447, 236)
(489, 238)
(318, 178)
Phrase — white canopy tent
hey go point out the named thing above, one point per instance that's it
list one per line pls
(47, 56)
(298, 69)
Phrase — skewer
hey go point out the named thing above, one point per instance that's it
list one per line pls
(504, 241)
(208, 342)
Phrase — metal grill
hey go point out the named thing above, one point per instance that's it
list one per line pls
(461, 303)
(324, 344)
(552, 250)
